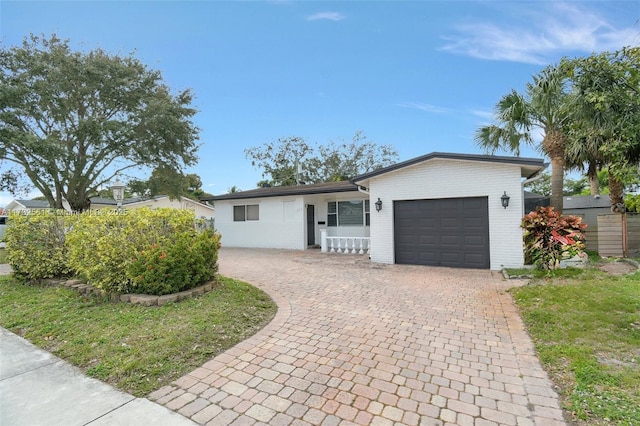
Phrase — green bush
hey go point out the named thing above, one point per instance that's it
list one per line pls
(102, 247)
(36, 245)
(157, 251)
(550, 237)
(632, 203)
(182, 262)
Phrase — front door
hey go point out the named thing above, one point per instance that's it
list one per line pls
(311, 229)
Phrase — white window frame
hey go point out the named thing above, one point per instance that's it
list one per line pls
(333, 213)
(250, 212)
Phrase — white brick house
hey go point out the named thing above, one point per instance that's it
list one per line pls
(440, 209)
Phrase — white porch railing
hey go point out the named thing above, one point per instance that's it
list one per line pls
(345, 245)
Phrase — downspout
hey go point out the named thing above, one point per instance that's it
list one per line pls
(535, 177)
(363, 190)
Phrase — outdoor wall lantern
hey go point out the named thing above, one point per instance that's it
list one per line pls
(118, 192)
(505, 200)
(378, 204)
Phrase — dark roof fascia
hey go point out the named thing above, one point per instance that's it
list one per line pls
(282, 191)
(523, 161)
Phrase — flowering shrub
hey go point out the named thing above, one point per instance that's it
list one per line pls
(550, 237)
(102, 243)
(103, 248)
(180, 263)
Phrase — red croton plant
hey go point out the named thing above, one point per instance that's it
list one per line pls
(550, 237)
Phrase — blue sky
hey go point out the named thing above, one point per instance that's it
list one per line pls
(421, 76)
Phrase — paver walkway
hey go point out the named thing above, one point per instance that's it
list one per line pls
(361, 343)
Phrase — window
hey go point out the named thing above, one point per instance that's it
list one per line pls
(248, 212)
(348, 213)
(332, 214)
(367, 218)
(253, 212)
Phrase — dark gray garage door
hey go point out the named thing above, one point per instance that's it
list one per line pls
(450, 232)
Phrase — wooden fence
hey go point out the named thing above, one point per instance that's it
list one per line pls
(619, 235)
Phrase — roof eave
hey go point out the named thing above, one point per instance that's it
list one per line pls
(522, 161)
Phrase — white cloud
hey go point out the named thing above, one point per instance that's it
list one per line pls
(329, 16)
(424, 107)
(488, 115)
(558, 29)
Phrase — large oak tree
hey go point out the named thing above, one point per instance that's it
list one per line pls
(291, 160)
(72, 120)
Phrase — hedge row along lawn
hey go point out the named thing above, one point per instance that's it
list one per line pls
(134, 348)
(587, 334)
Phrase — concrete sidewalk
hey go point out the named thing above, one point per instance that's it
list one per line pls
(38, 388)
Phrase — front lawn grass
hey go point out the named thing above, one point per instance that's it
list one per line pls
(3, 256)
(137, 349)
(587, 334)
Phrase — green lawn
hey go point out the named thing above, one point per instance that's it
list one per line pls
(3, 256)
(137, 349)
(587, 333)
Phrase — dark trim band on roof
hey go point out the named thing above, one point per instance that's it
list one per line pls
(535, 162)
(280, 191)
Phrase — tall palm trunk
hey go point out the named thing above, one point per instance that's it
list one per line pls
(592, 175)
(554, 145)
(615, 194)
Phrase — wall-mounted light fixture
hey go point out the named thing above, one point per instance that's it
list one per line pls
(378, 204)
(505, 200)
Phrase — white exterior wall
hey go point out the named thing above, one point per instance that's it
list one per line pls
(442, 178)
(280, 225)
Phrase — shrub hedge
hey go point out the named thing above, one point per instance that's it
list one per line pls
(157, 251)
(36, 245)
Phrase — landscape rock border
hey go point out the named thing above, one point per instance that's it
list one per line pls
(136, 299)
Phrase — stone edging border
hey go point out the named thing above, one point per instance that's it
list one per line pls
(136, 299)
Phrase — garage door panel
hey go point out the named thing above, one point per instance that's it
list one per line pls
(474, 240)
(428, 256)
(449, 224)
(449, 240)
(475, 203)
(428, 240)
(442, 232)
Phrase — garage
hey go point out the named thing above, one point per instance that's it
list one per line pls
(451, 232)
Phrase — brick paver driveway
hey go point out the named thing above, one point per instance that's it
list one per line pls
(361, 343)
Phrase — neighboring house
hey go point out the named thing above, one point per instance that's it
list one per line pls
(200, 210)
(588, 207)
(440, 209)
(26, 205)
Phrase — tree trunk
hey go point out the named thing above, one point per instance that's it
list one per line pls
(594, 183)
(557, 183)
(554, 144)
(615, 194)
(79, 204)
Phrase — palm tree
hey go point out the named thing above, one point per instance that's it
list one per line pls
(606, 108)
(584, 154)
(542, 108)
